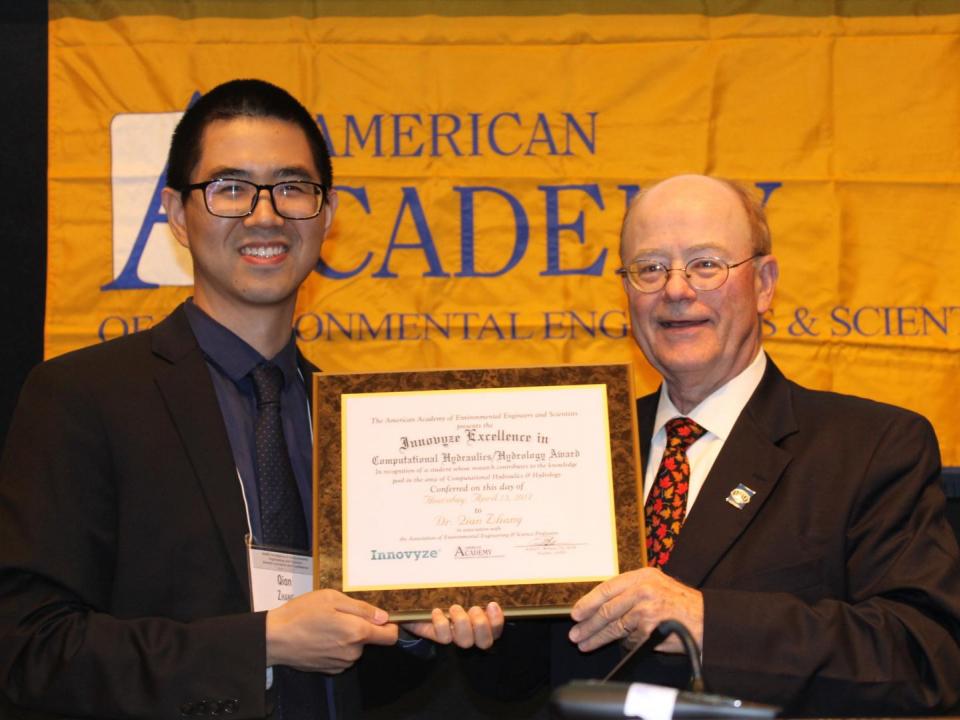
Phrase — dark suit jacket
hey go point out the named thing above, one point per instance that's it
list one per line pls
(836, 589)
(123, 572)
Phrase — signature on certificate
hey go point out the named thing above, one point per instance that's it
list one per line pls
(548, 543)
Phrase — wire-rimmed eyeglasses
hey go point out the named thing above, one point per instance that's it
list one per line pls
(233, 198)
(702, 273)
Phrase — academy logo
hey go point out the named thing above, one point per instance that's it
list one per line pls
(145, 253)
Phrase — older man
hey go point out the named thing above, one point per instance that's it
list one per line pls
(800, 535)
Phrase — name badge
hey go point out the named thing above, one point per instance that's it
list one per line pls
(277, 576)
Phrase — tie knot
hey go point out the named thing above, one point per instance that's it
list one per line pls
(267, 383)
(683, 432)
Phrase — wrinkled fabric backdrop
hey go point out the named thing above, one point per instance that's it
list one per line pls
(484, 153)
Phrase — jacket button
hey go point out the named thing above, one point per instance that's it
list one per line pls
(231, 706)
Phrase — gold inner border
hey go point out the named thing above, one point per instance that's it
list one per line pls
(517, 600)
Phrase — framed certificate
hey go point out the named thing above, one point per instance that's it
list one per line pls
(518, 485)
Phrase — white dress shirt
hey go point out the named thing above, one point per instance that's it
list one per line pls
(717, 414)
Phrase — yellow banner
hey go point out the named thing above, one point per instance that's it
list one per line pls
(484, 154)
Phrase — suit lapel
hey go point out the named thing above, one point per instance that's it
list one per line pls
(646, 414)
(750, 456)
(307, 369)
(192, 402)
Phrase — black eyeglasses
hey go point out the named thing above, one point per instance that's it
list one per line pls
(232, 198)
(702, 273)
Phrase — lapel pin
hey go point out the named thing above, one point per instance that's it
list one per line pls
(740, 496)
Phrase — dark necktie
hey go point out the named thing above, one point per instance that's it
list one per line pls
(281, 513)
(299, 696)
(666, 504)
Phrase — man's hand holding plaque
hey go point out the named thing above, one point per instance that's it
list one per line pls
(476, 627)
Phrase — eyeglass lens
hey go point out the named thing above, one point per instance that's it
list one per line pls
(236, 198)
(701, 273)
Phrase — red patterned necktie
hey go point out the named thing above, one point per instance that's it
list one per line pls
(666, 504)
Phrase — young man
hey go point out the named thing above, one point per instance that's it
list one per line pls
(135, 470)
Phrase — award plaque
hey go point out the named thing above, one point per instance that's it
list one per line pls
(518, 485)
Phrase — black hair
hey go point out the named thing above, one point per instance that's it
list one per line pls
(241, 98)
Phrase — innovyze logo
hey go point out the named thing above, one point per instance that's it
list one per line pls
(404, 555)
(145, 253)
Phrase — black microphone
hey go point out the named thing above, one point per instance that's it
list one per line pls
(660, 633)
(588, 699)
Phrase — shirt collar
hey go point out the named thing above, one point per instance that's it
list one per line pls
(718, 411)
(233, 355)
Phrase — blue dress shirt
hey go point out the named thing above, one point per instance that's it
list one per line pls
(230, 361)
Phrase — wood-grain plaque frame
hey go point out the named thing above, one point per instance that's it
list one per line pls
(516, 600)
